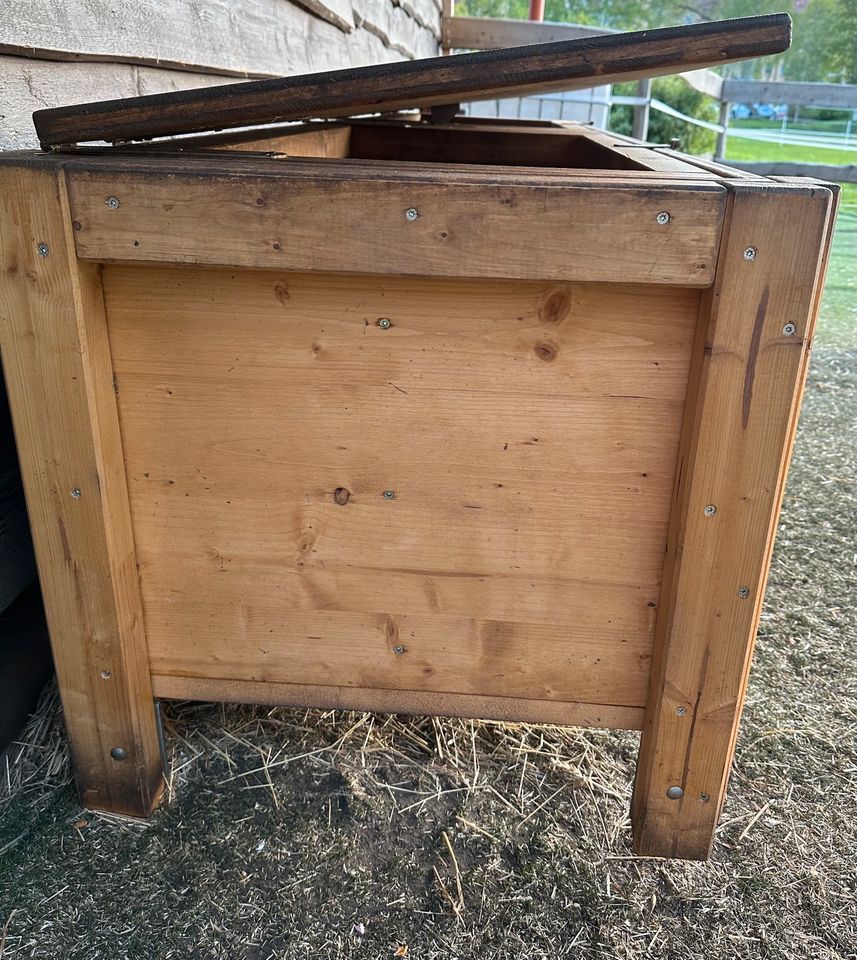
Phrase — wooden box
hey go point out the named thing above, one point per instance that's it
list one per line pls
(469, 418)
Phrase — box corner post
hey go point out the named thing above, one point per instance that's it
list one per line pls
(56, 357)
(751, 354)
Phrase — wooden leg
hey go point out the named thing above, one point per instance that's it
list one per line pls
(740, 420)
(56, 358)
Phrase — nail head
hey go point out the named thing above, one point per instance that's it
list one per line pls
(675, 793)
(118, 753)
(743, 592)
(43, 249)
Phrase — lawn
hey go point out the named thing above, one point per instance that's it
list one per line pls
(739, 149)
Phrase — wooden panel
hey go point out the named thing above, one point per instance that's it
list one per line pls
(399, 701)
(304, 215)
(528, 433)
(842, 95)
(741, 416)
(516, 71)
(247, 38)
(58, 372)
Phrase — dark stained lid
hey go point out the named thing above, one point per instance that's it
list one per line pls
(488, 75)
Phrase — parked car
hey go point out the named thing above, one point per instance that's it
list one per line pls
(740, 111)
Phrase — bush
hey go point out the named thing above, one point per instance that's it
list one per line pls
(676, 93)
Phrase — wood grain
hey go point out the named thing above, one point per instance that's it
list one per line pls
(305, 215)
(486, 75)
(399, 701)
(528, 433)
(741, 416)
(58, 372)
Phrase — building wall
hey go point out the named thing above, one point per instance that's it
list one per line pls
(54, 52)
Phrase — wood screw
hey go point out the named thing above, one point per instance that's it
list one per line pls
(43, 249)
(389, 494)
(384, 323)
(704, 798)
(398, 648)
(675, 793)
(710, 510)
(663, 218)
(76, 493)
(106, 674)
(750, 253)
(411, 214)
(789, 330)
(743, 592)
(681, 711)
(112, 202)
(118, 753)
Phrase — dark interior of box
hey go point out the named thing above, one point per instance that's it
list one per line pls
(528, 147)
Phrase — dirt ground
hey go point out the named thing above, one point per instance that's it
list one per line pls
(293, 834)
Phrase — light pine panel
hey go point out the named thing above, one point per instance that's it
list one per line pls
(528, 432)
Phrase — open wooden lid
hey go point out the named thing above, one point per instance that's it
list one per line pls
(491, 74)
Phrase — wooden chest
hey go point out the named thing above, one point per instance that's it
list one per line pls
(487, 419)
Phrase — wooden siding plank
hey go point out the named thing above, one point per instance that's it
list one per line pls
(740, 422)
(381, 88)
(58, 372)
(399, 701)
(361, 225)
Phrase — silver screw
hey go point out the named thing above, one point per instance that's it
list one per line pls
(43, 249)
(750, 253)
(106, 674)
(398, 648)
(389, 494)
(789, 330)
(663, 217)
(681, 711)
(710, 510)
(675, 793)
(76, 493)
(118, 753)
(411, 214)
(704, 798)
(743, 592)
(112, 202)
(384, 323)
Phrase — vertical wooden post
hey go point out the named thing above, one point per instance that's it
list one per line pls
(641, 111)
(56, 358)
(723, 120)
(741, 415)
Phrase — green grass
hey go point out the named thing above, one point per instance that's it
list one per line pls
(807, 126)
(738, 149)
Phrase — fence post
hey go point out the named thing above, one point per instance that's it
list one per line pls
(640, 128)
(720, 149)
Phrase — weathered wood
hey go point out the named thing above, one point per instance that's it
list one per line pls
(841, 95)
(398, 701)
(246, 38)
(488, 33)
(742, 408)
(57, 365)
(511, 72)
(521, 554)
(301, 217)
(27, 85)
(830, 172)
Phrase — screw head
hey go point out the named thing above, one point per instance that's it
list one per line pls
(76, 493)
(43, 249)
(750, 253)
(118, 753)
(789, 330)
(411, 214)
(675, 793)
(704, 798)
(384, 323)
(398, 648)
(389, 494)
(710, 510)
(112, 202)
(681, 711)
(663, 217)
(106, 674)
(743, 592)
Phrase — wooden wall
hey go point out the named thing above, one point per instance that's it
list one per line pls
(54, 52)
